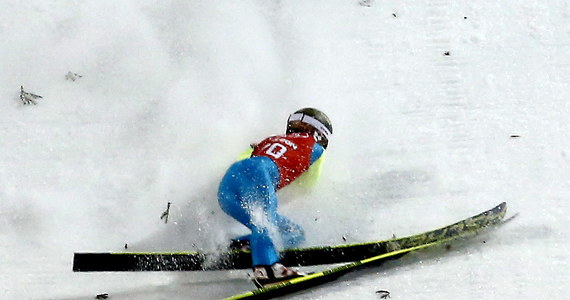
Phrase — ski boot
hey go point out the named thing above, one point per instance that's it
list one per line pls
(264, 276)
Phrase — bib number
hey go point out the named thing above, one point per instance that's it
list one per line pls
(275, 150)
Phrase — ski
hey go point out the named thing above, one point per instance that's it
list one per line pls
(227, 260)
(318, 278)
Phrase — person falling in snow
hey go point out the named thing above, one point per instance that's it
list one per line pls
(247, 191)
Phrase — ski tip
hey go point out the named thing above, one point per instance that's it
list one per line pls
(501, 207)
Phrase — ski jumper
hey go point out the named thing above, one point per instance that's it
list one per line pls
(248, 192)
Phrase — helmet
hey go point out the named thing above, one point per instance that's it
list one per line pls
(320, 125)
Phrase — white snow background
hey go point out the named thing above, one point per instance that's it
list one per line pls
(441, 109)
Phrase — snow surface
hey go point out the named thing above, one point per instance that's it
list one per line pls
(172, 91)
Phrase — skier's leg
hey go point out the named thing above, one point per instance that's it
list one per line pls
(292, 234)
(244, 194)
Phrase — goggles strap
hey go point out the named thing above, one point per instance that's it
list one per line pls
(311, 121)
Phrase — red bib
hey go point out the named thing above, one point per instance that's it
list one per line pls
(291, 153)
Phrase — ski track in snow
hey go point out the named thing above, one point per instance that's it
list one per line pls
(441, 109)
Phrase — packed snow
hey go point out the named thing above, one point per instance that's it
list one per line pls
(441, 109)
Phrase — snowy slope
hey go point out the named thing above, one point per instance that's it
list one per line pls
(441, 109)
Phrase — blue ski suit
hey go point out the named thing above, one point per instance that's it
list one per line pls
(248, 193)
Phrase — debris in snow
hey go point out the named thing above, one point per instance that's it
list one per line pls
(447, 53)
(515, 136)
(28, 98)
(72, 76)
(383, 294)
(102, 296)
(166, 213)
(367, 3)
